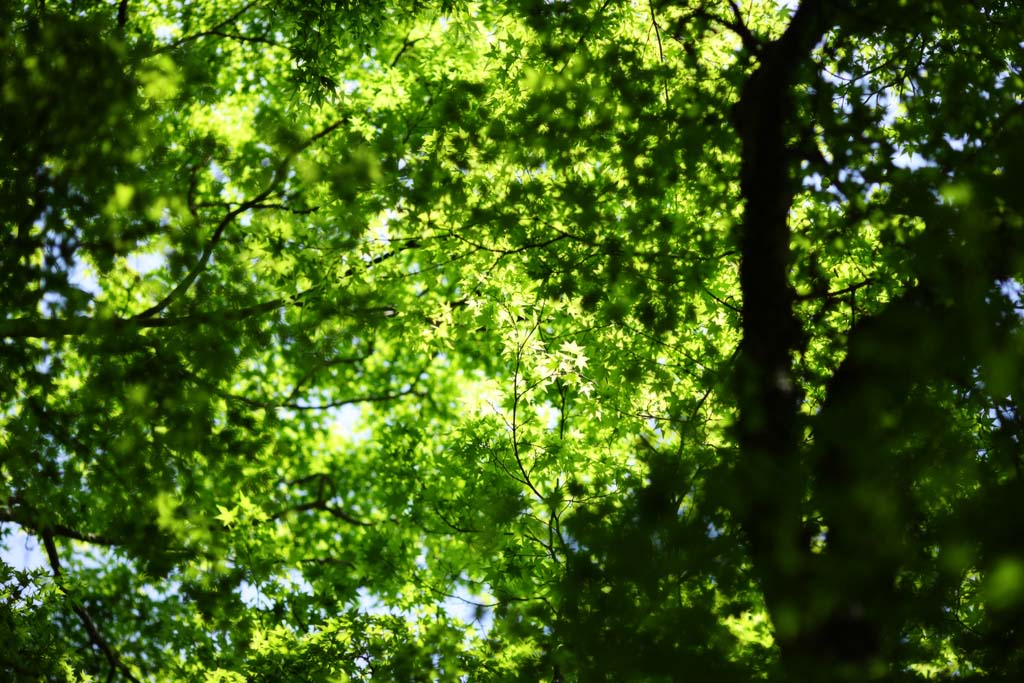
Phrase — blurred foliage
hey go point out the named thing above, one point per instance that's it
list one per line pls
(523, 341)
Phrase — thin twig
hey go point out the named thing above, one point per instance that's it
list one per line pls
(217, 27)
(323, 506)
(661, 50)
(379, 398)
(837, 292)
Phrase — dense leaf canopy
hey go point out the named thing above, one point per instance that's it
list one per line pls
(531, 340)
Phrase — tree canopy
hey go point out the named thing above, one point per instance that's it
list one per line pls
(530, 340)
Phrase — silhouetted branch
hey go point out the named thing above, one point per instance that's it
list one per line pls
(211, 31)
(204, 258)
(737, 25)
(57, 530)
(53, 328)
(377, 398)
(836, 292)
(323, 506)
(95, 637)
(406, 44)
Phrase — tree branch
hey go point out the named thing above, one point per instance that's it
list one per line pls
(95, 637)
(240, 38)
(200, 265)
(57, 530)
(323, 506)
(52, 328)
(406, 44)
(211, 31)
(737, 25)
(377, 398)
(835, 293)
(740, 28)
(661, 49)
(229, 217)
(55, 328)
